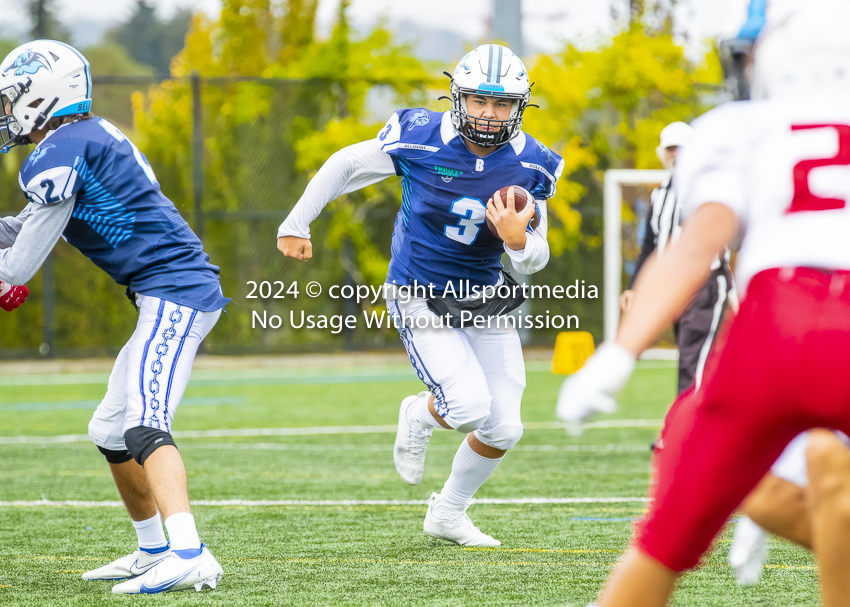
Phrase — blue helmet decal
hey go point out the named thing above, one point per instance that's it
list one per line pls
(491, 87)
(28, 62)
(756, 18)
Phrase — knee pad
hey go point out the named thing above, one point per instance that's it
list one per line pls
(474, 424)
(142, 441)
(503, 436)
(469, 411)
(115, 457)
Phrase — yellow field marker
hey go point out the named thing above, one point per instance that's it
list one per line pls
(572, 349)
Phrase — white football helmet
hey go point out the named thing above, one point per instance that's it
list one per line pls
(803, 48)
(490, 70)
(40, 80)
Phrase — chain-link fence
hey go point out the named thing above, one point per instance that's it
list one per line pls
(226, 152)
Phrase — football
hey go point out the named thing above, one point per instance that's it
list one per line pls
(521, 198)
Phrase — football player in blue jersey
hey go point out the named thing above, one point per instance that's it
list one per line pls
(451, 164)
(87, 183)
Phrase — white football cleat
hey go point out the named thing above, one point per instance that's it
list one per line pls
(748, 551)
(175, 573)
(411, 440)
(129, 566)
(445, 521)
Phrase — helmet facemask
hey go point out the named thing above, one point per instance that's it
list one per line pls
(40, 80)
(735, 57)
(11, 131)
(466, 124)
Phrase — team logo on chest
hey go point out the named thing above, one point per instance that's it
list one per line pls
(447, 174)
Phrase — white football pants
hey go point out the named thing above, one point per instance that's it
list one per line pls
(151, 372)
(791, 464)
(477, 376)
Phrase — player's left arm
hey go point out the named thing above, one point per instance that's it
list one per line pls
(712, 173)
(36, 238)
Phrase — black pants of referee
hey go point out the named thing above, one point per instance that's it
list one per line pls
(698, 325)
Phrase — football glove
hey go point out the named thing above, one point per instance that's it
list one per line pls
(12, 297)
(592, 388)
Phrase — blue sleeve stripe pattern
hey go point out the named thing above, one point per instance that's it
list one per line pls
(406, 194)
(100, 209)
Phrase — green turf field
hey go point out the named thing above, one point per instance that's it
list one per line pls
(344, 554)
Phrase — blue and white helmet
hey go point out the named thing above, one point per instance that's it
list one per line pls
(40, 80)
(491, 70)
(803, 48)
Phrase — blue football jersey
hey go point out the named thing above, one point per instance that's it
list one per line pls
(121, 220)
(440, 235)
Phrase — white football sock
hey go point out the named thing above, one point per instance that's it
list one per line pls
(469, 471)
(151, 535)
(182, 531)
(421, 413)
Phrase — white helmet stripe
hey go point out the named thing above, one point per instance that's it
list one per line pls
(85, 61)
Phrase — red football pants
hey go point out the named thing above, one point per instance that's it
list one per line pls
(782, 367)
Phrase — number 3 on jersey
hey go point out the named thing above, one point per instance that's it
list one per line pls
(472, 215)
(804, 199)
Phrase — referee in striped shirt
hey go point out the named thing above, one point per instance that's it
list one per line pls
(697, 327)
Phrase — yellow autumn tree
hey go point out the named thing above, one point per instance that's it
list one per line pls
(605, 108)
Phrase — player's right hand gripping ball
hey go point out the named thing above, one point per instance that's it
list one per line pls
(12, 297)
(521, 198)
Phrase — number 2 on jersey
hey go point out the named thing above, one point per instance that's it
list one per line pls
(804, 200)
(472, 215)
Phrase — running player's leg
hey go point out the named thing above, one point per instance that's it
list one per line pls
(159, 363)
(778, 503)
(457, 397)
(829, 493)
(710, 481)
(500, 354)
(742, 420)
(106, 431)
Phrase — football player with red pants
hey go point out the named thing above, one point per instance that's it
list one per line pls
(774, 172)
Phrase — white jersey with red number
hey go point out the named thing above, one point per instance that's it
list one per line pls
(783, 168)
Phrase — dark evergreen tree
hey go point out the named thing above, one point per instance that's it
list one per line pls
(151, 40)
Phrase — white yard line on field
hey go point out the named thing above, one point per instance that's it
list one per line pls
(317, 430)
(261, 503)
(609, 448)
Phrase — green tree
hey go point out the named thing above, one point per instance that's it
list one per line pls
(45, 24)
(149, 39)
(264, 136)
(603, 109)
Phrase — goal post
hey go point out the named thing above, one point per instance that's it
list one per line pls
(615, 179)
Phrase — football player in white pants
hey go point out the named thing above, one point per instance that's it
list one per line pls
(87, 183)
(779, 504)
(451, 164)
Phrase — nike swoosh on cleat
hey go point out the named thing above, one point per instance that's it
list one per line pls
(135, 569)
(145, 589)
